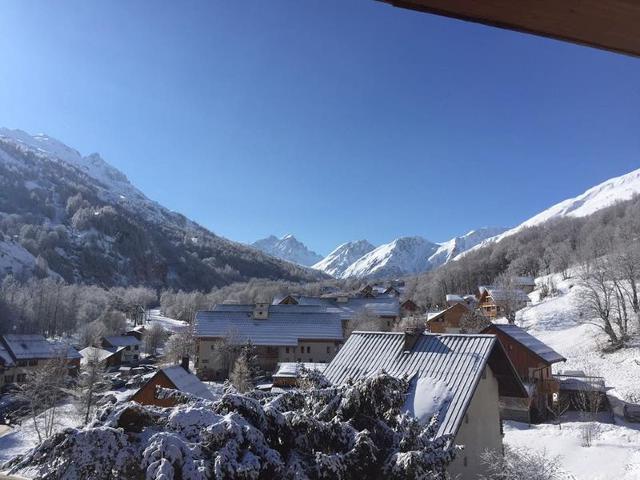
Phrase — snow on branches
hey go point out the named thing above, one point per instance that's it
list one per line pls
(352, 431)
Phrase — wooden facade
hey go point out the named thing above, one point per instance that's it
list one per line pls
(147, 393)
(448, 321)
(409, 307)
(533, 370)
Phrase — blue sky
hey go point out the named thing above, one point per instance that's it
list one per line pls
(330, 119)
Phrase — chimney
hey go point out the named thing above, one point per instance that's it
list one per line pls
(261, 311)
(411, 336)
(185, 363)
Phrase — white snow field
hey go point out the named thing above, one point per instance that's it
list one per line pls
(23, 437)
(170, 324)
(615, 453)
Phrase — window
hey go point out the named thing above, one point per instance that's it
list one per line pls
(465, 461)
(286, 349)
(311, 360)
(128, 348)
(308, 349)
(328, 349)
(213, 347)
(21, 377)
(33, 363)
(301, 349)
(136, 347)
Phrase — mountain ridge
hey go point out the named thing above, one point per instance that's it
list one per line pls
(287, 248)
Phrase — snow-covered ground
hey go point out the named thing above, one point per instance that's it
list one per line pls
(24, 437)
(169, 324)
(615, 453)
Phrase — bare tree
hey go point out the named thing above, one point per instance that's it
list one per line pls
(154, 337)
(511, 298)
(241, 374)
(91, 333)
(366, 320)
(520, 464)
(181, 344)
(474, 321)
(91, 382)
(597, 302)
(43, 388)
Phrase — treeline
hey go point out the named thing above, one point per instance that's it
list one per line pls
(552, 247)
(67, 221)
(184, 305)
(53, 308)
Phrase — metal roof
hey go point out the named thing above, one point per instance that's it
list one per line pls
(291, 369)
(5, 357)
(542, 350)
(456, 360)
(285, 325)
(382, 306)
(33, 346)
(187, 382)
(122, 340)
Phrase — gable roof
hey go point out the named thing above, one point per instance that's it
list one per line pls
(382, 306)
(187, 382)
(5, 356)
(452, 308)
(501, 294)
(98, 353)
(122, 340)
(458, 361)
(527, 340)
(285, 325)
(33, 346)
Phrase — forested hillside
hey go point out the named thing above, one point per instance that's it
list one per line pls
(78, 218)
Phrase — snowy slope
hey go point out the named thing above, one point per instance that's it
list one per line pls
(287, 248)
(448, 250)
(342, 257)
(402, 256)
(596, 198)
(101, 229)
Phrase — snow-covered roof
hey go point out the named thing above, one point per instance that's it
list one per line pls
(33, 346)
(431, 315)
(99, 354)
(291, 369)
(5, 357)
(525, 281)
(382, 306)
(544, 351)
(457, 361)
(284, 325)
(452, 297)
(581, 383)
(187, 382)
(501, 294)
(122, 340)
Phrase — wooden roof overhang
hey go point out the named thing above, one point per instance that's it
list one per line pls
(610, 25)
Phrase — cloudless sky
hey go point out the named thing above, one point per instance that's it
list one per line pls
(334, 120)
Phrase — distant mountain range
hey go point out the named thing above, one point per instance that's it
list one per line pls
(411, 255)
(287, 248)
(79, 218)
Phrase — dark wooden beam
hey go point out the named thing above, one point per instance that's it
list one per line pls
(612, 25)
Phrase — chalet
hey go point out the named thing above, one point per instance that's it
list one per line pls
(391, 290)
(532, 360)
(469, 300)
(495, 302)
(279, 333)
(449, 320)
(458, 377)
(386, 307)
(130, 347)
(526, 284)
(409, 307)
(288, 373)
(176, 377)
(110, 357)
(21, 354)
(137, 332)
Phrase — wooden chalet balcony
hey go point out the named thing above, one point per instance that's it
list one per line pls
(548, 386)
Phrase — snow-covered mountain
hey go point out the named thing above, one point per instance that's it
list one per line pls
(402, 256)
(287, 248)
(80, 218)
(342, 257)
(607, 193)
(447, 251)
